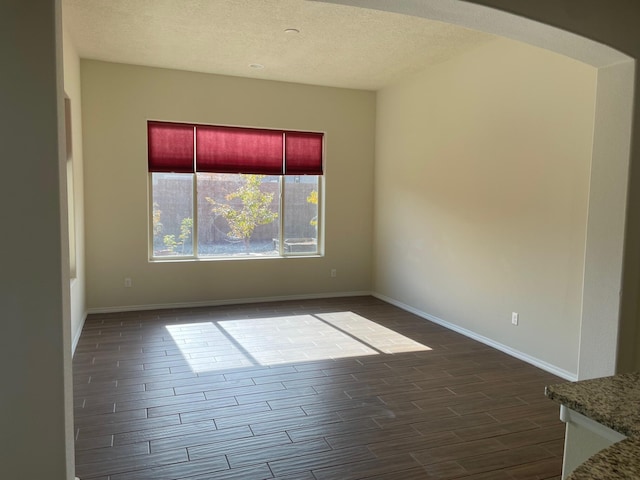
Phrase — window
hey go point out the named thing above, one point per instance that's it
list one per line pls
(71, 216)
(233, 192)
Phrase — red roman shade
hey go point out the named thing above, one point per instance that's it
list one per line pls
(170, 147)
(232, 150)
(238, 150)
(303, 153)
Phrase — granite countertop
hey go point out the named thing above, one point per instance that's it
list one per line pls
(615, 403)
(612, 401)
(617, 462)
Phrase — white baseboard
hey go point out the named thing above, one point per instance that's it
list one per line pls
(482, 339)
(76, 337)
(232, 301)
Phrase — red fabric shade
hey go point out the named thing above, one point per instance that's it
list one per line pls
(170, 147)
(303, 153)
(232, 150)
(238, 150)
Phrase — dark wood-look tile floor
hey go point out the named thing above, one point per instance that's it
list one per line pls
(344, 388)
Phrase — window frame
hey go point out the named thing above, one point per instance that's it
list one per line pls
(71, 191)
(281, 253)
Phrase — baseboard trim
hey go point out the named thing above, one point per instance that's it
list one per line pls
(232, 301)
(482, 339)
(76, 336)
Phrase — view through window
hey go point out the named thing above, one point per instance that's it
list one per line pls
(234, 215)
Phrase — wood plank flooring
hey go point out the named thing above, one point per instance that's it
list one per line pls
(332, 389)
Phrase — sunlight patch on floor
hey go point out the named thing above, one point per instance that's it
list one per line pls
(382, 338)
(225, 344)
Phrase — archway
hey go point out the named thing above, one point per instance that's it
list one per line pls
(602, 279)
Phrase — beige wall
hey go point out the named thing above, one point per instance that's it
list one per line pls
(604, 36)
(613, 23)
(481, 196)
(118, 99)
(73, 91)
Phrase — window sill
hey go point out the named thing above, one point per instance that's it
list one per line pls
(245, 257)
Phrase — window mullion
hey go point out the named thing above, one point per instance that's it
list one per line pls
(194, 195)
(320, 217)
(281, 217)
(151, 209)
(194, 233)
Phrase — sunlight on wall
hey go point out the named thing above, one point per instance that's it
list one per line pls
(289, 339)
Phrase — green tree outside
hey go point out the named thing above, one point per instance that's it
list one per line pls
(254, 210)
(186, 228)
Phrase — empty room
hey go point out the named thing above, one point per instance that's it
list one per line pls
(317, 240)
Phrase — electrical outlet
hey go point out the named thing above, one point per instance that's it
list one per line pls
(334, 273)
(128, 283)
(514, 318)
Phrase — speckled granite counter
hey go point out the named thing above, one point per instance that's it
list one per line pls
(615, 403)
(619, 461)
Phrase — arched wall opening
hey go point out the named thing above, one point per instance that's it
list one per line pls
(607, 200)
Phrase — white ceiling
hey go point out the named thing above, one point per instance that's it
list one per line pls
(340, 46)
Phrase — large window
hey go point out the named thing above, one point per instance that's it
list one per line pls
(233, 192)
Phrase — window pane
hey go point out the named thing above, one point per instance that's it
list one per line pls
(238, 215)
(301, 214)
(172, 196)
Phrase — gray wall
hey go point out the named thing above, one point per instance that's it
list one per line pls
(35, 347)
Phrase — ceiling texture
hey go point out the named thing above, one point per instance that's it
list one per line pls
(331, 45)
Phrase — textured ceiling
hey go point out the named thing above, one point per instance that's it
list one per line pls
(338, 45)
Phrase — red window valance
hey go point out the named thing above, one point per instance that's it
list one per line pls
(303, 153)
(238, 150)
(222, 149)
(170, 147)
